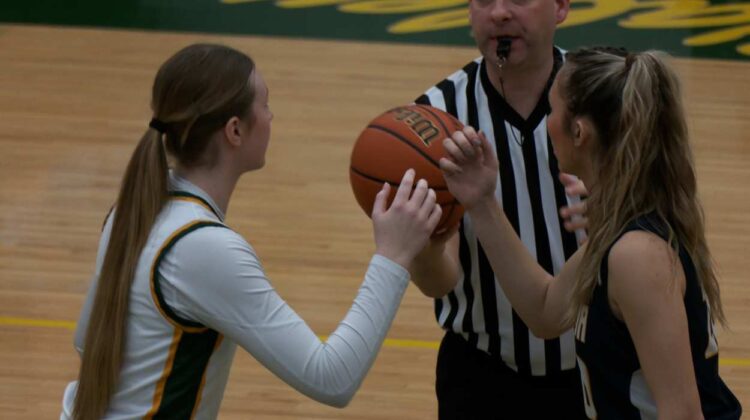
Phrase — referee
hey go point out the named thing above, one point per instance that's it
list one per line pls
(490, 366)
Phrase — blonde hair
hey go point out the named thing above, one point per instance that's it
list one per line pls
(194, 94)
(643, 163)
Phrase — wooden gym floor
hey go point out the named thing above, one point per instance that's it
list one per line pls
(73, 102)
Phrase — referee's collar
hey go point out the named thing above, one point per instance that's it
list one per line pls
(542, 108)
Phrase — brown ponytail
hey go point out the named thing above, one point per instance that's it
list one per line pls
(644, 155)
(142, 195)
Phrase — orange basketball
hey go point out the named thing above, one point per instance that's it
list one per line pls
(405, 137)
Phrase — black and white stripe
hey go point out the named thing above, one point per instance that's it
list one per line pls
(531, 195)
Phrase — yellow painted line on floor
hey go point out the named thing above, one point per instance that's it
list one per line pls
(724, 361)
(26, 322)
(389, 342)
(395, 342)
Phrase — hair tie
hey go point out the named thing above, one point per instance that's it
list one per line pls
(629, 60)
(157, 125)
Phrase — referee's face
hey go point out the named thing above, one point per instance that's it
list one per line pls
(529, 23)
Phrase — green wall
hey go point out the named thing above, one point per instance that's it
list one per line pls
(697, 28)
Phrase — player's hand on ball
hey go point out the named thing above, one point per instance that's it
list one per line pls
(471, 167)
(399, 139)
(403, 229)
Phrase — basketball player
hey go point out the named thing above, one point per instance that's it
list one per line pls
(489, 364)
(641, 292)
(175, 290)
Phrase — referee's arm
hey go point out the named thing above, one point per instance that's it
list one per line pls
(435, 270)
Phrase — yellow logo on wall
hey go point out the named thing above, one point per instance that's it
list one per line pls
(728, 22)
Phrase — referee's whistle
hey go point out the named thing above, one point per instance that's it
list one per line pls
(503, 50)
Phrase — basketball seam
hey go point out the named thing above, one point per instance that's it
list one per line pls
(406, 142)
(372, 178)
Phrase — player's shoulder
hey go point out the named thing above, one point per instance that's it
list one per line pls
(210, 231)
(637, 244)
(641, 257)
(210, 240)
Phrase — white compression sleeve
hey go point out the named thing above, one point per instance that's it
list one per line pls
(214, 277)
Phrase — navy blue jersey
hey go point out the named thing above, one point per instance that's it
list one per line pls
(613, 382)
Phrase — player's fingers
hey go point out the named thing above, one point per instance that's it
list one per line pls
(575, 209)
(426, 206)
(474, 137)
(483, 143)
(448, 167)
(477, 139)
(567, 179)
(437, 213)
(452, 147)
(404, 189)
(381, 200)
(576, 223)
(573, 185)
(420, 192)
(461, 139)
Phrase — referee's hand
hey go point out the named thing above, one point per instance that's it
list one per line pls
(574, 215)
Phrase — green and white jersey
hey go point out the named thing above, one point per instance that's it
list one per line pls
(199, 291)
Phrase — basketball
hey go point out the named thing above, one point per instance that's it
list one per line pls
(404, 137)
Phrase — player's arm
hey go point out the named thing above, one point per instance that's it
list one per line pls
(471, 174)
(539, 299)
(224, 287)
(646, 288)
(220, 283)
(435, 270)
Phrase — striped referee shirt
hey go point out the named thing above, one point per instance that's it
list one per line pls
(531, 195)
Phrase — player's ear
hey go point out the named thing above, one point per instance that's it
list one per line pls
(583, 131)
(562, 7)
(233, 131)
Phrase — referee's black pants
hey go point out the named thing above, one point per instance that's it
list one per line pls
(472, 385)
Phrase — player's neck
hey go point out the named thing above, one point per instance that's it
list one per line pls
(213, 182)
(522, 85)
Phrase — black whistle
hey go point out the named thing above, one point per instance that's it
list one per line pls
(503, 48)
